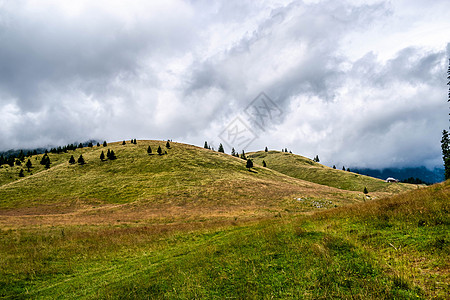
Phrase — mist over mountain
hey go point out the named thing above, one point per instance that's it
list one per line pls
(430, 176)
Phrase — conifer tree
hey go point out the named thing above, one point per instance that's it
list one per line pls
(80, 146)
(47, 164)
(206, 145)
(266, 150)
(233, 152)
(81, 160)
(249, 164)
(264, 164)
(112, 155)
(334, 166)
(90, 145)
(221, 148)
(108, 154)
(105, 144)
(72, 160)
(285, 150)
(167, 145)
(243, 155)
(149, 150)
(21, 173)
(29, 165)
(102, 156)
(365, 191)
(445, 145)
(98, 144)
(123, 143)
(343, 168)
(159, 150)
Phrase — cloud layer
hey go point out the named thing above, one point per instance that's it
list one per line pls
(360, 83)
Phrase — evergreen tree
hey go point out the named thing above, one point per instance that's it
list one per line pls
(102, 156)
(80, 146)
(105, 144)
(159, 150)
(249, 164)
(18, 163)
(21, 156)
(285, 150)
(233, 152)
(266, 150)
(108, 154)
(81, 160)
(221, 148)
(206, 145)
(167, 145)
(365, 191)
(44, 160)
(47, 164)
(445, 145)
(123, 143)
(90, 145)
(21, 173)
(98, 144)
(264, 164)
(2, 160)
(343, 168)
(348, 169)
(112, 155)
(149, 150)
(243, 155)
(72, 160)
(29, 165)
(11, 161)
(334, 167)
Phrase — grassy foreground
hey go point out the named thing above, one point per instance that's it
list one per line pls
(157, 238)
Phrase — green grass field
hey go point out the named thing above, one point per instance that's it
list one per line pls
(196, 224)
(304, 168)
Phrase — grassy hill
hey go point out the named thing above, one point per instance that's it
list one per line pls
(303, 168)
(187, 178)
(196, 224)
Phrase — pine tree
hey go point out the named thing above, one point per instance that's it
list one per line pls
(90, 145)
(47, 164)
(81, 160)
(102, 156)
(167, 145)
(159, 150)
(80, 146)
(233, 152)
(108, 154)
(149, 150)
(264, 164)
(285, 150)
(105, 144)
(112, 155)
(72, 160)
(243, 155)
(266, 150)
(348, 169)
(98, 144)
(21, 173)
(123, 143)
(343, 168)
(365, 191)
(249, 164)
(221, 148)
(445, 145)
(29, 165)
(206, 145)
(334, 167)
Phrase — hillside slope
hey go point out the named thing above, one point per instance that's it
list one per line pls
(303, 168)
(187, 178)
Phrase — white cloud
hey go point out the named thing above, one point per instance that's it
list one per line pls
(360, 82)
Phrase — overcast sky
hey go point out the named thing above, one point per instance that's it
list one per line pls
(360, 83)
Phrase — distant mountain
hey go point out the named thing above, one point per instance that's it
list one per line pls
(429, 176)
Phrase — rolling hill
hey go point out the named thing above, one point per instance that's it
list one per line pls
(304, 168)
(195, 223)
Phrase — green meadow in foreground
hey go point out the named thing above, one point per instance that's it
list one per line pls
(216, 230)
